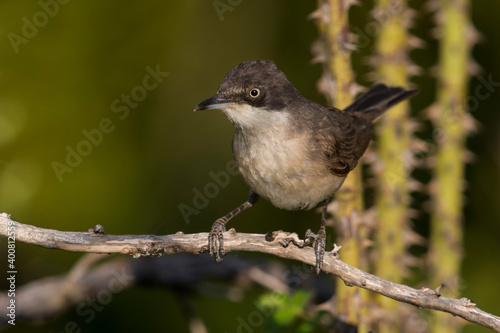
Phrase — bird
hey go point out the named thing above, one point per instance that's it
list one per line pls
(290, 150)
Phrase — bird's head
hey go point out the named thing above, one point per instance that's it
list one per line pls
(253, 94)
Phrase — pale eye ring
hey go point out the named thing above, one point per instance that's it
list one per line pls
(254, 92)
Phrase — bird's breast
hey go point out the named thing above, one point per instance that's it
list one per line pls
(281, 167)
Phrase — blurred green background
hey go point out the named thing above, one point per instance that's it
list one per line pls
(65, 77)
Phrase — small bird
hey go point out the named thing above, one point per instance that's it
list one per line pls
(290, 150)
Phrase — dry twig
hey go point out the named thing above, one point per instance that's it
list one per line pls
(150, 245)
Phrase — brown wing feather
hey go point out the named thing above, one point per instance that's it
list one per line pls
(342, 139)
(343, 136)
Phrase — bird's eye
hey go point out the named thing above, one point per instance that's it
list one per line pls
(255, 92)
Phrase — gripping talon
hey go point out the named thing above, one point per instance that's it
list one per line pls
(318, 242)
(319, 249)
(216, 240)
(216, 235)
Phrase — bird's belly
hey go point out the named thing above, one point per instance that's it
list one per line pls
(285, 174)
(294, 192)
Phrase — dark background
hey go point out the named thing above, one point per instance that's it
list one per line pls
(65, 78)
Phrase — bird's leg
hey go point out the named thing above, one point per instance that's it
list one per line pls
(216, 237)
(319, 239)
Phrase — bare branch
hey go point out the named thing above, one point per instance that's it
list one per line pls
(51, 296)
(150, 245)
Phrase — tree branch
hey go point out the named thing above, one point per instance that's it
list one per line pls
(276, 244)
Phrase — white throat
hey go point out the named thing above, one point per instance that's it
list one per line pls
(247, 117)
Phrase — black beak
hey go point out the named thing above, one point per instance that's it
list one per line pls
(215, 102)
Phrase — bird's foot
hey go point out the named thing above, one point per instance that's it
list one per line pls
(216, 240)
(318, 241)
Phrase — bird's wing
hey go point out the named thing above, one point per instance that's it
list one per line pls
(342, 139)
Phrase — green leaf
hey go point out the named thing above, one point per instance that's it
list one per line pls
(287, 308)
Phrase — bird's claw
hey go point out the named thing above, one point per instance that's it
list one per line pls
(216, 240)
(318, 242)
(319, 249)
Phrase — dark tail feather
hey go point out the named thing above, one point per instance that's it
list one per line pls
(378, 99)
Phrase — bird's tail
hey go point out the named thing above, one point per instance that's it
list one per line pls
(378, 99)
